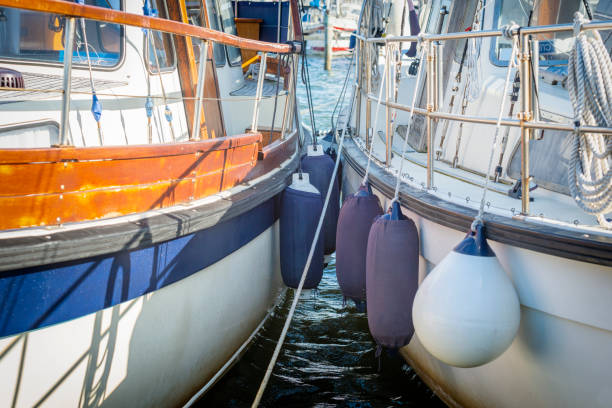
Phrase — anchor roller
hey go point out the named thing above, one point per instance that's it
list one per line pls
(392, 277)
(320, 168)
(466, 312)
(300, 209)
(357, 214)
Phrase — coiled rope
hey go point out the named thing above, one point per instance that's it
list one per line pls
(298, 291)
(589, 83)
(507, 31)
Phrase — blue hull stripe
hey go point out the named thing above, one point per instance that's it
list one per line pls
(42, 296)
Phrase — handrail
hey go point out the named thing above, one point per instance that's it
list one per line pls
(136, 20)
(525, 119)
(457, 117)
(595, 25)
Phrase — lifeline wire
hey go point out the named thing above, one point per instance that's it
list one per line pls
(507, 30)
(296, 296)
(414, 97)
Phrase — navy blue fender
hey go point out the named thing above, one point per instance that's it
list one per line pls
(392, 278)
(300, 210)
(357, 214)
(320, 169)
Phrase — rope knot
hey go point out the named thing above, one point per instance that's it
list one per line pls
(477, 221)
(577, 126)
(579, 19)
(420, 39)
(508, 30)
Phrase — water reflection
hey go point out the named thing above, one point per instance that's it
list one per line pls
(327, 361)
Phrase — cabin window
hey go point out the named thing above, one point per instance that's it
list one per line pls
(215, 24)
(554, 47)
(226, 12)
(158, 45)
(33, 36)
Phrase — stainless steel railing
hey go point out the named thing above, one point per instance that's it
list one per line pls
(525, 119)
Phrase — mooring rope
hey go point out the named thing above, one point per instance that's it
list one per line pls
(589, 83)
(507, 31)
(296, 296)
(414, 98)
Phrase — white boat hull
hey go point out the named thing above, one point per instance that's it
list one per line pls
(562, 354)
(154, 350)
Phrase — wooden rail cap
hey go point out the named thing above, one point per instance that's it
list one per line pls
(67, 8)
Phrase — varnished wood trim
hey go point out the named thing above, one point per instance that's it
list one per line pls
(68, 8)
(71, 245)
(81, 184)
(67, 154)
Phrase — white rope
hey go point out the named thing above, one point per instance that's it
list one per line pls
(414, 97)
(589, 83)
(474, 81)
(380, 91)
(296, 296)
(507, 30)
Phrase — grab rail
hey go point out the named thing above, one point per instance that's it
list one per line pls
(76, 10)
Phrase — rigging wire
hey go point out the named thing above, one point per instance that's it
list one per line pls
(414, 98)
(278, 67)
(306, 80)
(380, 90)
(507, 30)
(96, 108)
(340, 100)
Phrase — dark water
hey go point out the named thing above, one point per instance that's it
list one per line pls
(328, 356)
(327, 361)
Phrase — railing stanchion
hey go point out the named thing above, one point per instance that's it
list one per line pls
(388, 130)
(526, 115)
(288, 100)
(431, 98)
(67, 85)
(293, 119)
(261, 75)
(439, 47)
(195, 129)
(368, 73)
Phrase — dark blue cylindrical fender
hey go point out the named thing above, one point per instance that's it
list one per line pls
(300, 209)
(392, 278)
(357, 214)
(320, 168)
